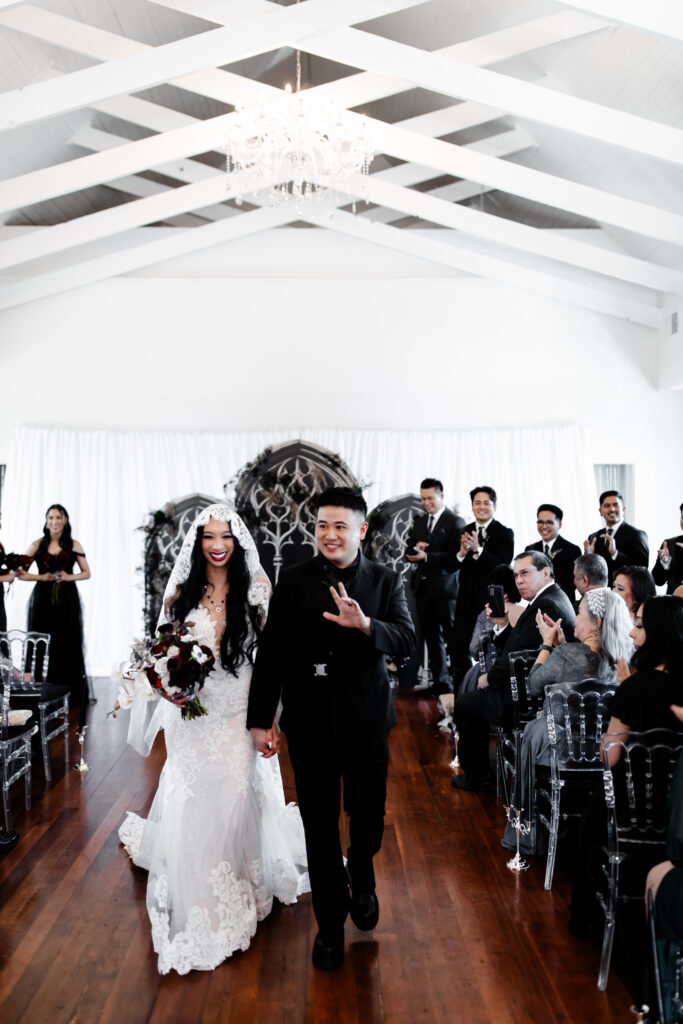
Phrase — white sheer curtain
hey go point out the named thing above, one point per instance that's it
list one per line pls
(109, 480)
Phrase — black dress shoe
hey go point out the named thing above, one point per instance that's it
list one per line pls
(328, 951)
(472, 782)
(364, 910)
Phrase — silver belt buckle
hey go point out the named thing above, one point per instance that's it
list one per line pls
(320, 669)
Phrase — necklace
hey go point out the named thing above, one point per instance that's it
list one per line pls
(218, 605)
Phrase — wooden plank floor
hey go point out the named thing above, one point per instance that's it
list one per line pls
(459, 938)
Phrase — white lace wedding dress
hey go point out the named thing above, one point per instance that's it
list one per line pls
(219, 842)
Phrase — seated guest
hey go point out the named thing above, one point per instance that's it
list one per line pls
(561, 552)
(602, 626)
(618, 542)
(669, 565)
(643, 701)
(431, 538)
(484, 544)
(491, 702)
(634, 584)
(590, 573)
(482, 648)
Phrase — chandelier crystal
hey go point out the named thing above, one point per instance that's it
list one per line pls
(292, 148)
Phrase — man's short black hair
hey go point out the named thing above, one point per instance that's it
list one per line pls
(429, 482)
(342, 497)
(488, 490)
(555, 509)
(538, 560)
(611, 494)
(682, 508)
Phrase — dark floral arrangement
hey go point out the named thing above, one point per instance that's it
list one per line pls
(174, 667)
(11, 562)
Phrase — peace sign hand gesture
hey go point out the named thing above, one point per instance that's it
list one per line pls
(351, 615)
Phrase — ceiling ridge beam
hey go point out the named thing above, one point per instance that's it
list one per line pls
(523, 99)
(281, 26)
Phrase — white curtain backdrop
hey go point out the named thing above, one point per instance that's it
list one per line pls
(109, 480)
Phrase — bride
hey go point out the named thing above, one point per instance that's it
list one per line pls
(219, 842)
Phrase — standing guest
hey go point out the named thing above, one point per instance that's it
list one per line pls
(431, 538)
(561, 552)
(669, 565)
(484, 544)
(491, 702)
(55, 607)
(590, 573)
(619, 543)
(332, 621)
(634, 584)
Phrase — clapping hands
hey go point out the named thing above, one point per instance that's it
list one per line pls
(551, 632)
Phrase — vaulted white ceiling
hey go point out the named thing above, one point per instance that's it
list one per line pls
(543, 140)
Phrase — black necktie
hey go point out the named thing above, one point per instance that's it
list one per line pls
(480, 535)
(546, 550)
(610, 531)
(430, 525)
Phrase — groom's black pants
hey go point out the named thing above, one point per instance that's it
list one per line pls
(321, 765)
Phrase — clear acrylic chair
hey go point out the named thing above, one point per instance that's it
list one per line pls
(525, 707)
(15, 748)
(576, 716)
(636, 794)
(30, 653)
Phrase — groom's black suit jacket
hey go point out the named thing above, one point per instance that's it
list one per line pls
(673, 576)
(525, 635)
(443, 541)
(563, 555)
(333, 681)
(632, 548)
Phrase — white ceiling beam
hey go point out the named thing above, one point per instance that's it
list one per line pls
(458, 161)
(175, 243)
(135, 185)
(524, 99)
(281, 26)
(56, 238)
(351, 91)
(415, 244)
(665, 17)
(519, 236)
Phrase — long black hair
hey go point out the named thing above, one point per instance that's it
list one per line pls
(241, 632)
(663, 625)
(66, 540)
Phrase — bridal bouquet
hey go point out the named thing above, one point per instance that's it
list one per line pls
(9, 562)
(174, 667)
(57, 563)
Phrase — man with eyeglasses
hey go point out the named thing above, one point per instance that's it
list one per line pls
(491, 702)
(561, 552)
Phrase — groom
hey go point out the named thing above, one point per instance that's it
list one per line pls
(331, 622)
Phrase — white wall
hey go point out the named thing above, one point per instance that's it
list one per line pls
(395, 344)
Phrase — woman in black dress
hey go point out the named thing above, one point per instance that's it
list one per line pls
(55, 606)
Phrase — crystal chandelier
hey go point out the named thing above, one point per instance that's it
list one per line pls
(290, 149)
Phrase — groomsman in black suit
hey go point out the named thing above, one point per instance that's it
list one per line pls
(619, 543)
(562, 553)
(484, 544)
(332, 621)
(432, 537)
(669, 565)
(491, 702)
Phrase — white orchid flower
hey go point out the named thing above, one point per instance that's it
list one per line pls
(198, 654)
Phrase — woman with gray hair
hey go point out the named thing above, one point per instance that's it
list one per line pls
(602, 626)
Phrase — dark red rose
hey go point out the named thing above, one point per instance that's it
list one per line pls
(167, 627)
(159, 649)
(173, 664)
(153, 677)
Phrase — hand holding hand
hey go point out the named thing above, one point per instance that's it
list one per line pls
(265, 742)
(351, 616)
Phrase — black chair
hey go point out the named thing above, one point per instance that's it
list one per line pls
(576, 715)
(15, 748)
(525, 707)
(636, 793)
(30, 653)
